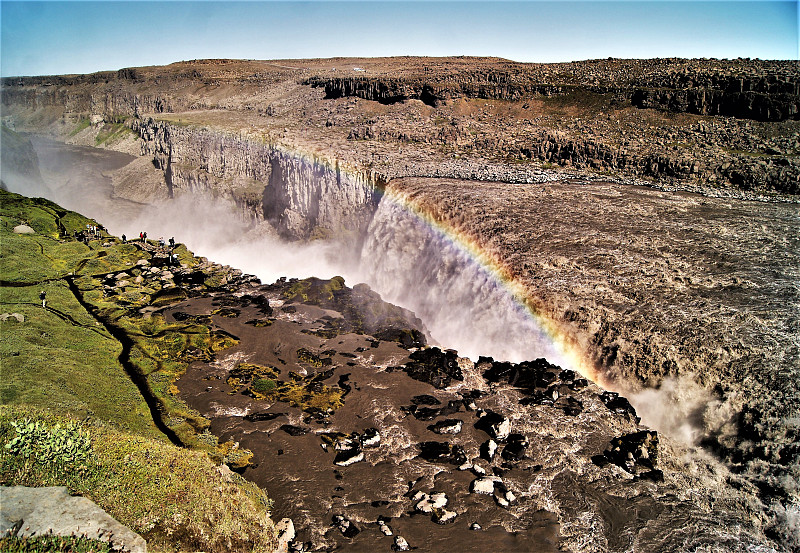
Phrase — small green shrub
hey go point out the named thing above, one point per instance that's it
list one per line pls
(60, 444)
(264, 385)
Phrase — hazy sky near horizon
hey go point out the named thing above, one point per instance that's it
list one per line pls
(46, 38)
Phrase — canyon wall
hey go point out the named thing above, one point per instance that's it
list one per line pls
(767, 94)
(302, 196)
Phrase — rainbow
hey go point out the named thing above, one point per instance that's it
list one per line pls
(502, 274)
(562, 340)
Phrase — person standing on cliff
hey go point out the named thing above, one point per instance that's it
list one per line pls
(43, 297)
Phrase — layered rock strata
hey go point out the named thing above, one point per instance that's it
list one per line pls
(688, 123)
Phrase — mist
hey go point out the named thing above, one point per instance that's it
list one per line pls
(407, 262)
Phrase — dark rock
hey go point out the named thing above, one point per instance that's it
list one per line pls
(262, 302)
(434, 366)
(348, 457)
(570, 406)
(289, 309)
(430, 413)
(634, 452)
(528, 375)
(618, 404)
(343, 384)
(488, 450)
(441, 452)
(345, 526)
(496, 425)
(655, 475)
(425, 399)
(579, 384)
(258, 417)
(294, 430)
(515, 447)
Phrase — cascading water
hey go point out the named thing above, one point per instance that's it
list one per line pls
(464, 306)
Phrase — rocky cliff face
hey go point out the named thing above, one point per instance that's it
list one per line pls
(688, 124)
(302, 196)
(765, 91)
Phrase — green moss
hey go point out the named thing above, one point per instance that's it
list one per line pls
(314, 291)
(82, 124)
(264, 386)
(305, 393)
(48, 544)
(112, 131)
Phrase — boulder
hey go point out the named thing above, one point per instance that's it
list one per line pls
(400, 544)
(384, 528)
(345, 526)
(448, 426)
(443, 516)
(293, 430)
(24, 229)
(19, 317)
(27, 512)
(440, 452)
(430, 413)
(618, 404)
(484, 485)
(428, 503)
(434, 366)
(515, 447)
(371, 438)
(286, 533)
(348, 457)
(635, 453)
(425, 399)
(488, 449)
(496, 425)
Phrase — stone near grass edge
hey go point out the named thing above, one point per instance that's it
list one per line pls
(27, 512)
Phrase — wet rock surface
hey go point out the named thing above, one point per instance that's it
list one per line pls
(511, 475)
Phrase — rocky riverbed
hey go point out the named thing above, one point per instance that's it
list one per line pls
(373, 444)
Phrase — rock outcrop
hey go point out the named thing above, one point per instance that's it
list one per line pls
(753, 89)
(27, 512)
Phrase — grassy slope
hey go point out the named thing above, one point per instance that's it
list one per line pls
(61, 364)
(59, 358)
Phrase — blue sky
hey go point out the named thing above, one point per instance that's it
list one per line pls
(43, 38)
